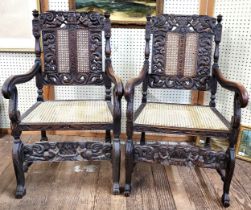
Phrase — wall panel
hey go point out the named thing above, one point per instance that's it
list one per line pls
(235, 52)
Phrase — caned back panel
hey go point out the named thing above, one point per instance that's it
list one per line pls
(72, 45)
(181, 51)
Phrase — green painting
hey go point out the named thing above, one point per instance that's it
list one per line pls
(127, 11)
(245, 144)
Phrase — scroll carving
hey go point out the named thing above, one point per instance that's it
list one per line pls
(50, 22)
(186, 155)
(202, 25)
(61, 151)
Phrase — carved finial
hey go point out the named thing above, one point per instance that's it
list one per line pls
(219, 18)
(35, 13)
(107, 14)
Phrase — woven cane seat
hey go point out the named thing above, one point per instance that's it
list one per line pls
(69, 112)
(181, 116)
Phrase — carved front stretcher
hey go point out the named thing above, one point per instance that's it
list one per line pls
(70, 151)
(179, 154)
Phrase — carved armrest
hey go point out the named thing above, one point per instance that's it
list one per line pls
(132, 83)
(9, 90)
(118, 88)
(118, 92)
(129, 95)
(236, 87)
(9, 86)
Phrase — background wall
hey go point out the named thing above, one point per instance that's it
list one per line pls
(128, 55)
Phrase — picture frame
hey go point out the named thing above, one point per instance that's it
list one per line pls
(243, 146)
(16, 25)
(124, 18)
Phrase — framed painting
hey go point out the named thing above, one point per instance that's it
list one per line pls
(123, 12)
(243, 148)
(16, 25)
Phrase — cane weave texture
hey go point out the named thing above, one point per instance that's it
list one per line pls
(63, 51)
(180, 116)
(83, 50)
(70, 111)
(172, 49)
(190, 64)
(181, 54)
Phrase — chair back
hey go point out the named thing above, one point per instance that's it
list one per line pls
(72, 46)
(182, 50)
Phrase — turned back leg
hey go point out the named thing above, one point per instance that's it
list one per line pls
(143, 138)
(43, 136)
(108, 136)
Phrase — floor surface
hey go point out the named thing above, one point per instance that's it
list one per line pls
(83, 185)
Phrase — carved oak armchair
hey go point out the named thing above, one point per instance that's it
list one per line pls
(181, 59)
(72, 46)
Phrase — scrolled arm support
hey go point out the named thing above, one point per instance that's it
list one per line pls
(118, 92)
(240, 101)
(9, 90)
(129, 95)
(132, 83)
(238, 88)
(10, 84)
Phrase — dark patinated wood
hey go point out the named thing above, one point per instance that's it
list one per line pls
(46, 27)
(206, 28)
(238, 88)
(201, 25)
(70, 151)
(179, 154)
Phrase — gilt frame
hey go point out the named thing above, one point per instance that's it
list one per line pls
(242, 128)
(127, 24)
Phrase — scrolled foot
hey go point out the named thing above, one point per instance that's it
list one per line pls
(115, 189)
(225, 199)
(127, 190)
(20, 191)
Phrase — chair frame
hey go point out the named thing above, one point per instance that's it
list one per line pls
(179, 154)
(25, 154)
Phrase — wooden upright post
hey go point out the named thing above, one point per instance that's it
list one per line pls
(48, 91)
(206, 8)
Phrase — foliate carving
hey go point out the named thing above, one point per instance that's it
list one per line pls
(61, 151)
(52, 21)
(202, 25)
(177, 154)
(49, 43)
(183, 24)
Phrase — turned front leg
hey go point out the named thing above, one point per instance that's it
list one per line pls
(116, 166)
(229, 175)
(17, 156)
(129, 164)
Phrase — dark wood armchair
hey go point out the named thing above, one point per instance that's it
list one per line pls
(181, 59)
(72, 47)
